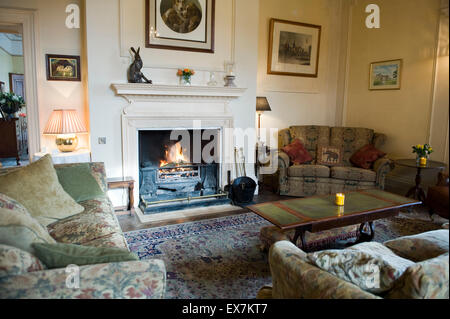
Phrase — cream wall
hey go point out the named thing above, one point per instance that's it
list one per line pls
(122, 25)
(409, 32)
(55, 38)
(302, 100)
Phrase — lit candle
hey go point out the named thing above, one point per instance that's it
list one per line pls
(340, 199)
(423, 161)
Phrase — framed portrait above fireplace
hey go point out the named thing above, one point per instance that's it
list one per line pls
(186, 25)
(293, 48)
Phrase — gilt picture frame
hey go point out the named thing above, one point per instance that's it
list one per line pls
(185, 25)
(385, 75)
(63, 67)
(293, 48)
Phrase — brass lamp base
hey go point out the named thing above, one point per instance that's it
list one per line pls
(67, 143)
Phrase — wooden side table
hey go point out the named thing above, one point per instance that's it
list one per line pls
(123, 182)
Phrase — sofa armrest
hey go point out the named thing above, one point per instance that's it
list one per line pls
(294, 277)
(144, 279)
(382, 166)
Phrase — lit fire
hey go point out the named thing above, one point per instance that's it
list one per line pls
(174, 155)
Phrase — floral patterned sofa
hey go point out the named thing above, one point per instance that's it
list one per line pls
(312, 179)
(426, 275)
(96, 226)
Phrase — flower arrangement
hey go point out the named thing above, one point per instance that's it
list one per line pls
(10, 103)
(422, 150)
(185, 75)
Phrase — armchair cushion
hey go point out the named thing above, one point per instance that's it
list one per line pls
(353, 173)
(15, 261)
(297, 152)
(366, 156)
(309, 170)
(424, 280)
(371, 266)
(421, 246)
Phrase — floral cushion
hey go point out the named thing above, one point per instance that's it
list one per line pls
(424, 280)
(422, 246)
(15, 261)
(111, 240)
(97, 221)
(129, 280)
(18, 228)
(371, 266)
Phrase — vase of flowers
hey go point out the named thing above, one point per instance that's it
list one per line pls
(10, 103)
(422, 153)
(185, 76)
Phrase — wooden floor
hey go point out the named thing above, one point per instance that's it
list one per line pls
(130, 223)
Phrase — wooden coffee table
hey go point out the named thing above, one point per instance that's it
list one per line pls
(320, 213)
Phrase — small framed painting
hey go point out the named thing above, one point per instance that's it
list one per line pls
(293, 48)
(385, 75)
(63, 67)
(186, 25)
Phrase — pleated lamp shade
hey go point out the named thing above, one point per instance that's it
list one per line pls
(64, 122)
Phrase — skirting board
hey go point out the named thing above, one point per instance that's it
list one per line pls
(186, 213)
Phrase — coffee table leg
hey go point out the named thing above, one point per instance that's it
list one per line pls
(363, 236)
(299, 232)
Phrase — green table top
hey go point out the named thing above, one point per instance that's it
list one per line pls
(296, 212)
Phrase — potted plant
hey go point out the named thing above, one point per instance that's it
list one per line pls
(185, 76)
(422, 153)
(10, 103)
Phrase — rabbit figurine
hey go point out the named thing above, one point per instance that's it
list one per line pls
(134, 72)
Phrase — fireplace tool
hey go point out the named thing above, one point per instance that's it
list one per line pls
(242, 189)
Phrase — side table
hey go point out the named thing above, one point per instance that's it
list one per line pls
(123, 182)
(417, 191)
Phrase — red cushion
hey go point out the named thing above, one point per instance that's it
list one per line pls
(366, 156)
(297, 152)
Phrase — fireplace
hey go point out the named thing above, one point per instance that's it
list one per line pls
(161, 108)
(174, 174)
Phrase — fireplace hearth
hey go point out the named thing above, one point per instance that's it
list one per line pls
(170, 180)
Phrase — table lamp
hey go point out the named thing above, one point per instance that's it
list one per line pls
(262, 105)
(65, 124)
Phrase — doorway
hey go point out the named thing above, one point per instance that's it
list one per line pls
(19, 42)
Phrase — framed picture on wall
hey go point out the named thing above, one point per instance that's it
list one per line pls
(63, 67)
(385, 75)
(293, 48)
(186, 25)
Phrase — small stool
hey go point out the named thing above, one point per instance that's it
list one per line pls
(123, 182)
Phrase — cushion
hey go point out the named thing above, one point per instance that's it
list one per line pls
(297, 152)
(422, 246)
(78, 182)
(36, 187)
(15, 261)
(60, 255)
(353, 174)
(329, 155)
(428, 279)
(18, 228)
(366, 156)
(371, 266)
(309, 170)
(350, 139)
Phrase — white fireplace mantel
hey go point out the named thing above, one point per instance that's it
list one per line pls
(143, 91)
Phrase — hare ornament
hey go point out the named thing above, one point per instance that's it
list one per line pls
(134, 72)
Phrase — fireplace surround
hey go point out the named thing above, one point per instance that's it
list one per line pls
(172, 107)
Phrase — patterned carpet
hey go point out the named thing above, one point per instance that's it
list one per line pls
(220, 258)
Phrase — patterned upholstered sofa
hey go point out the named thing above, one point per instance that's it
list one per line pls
(312, 179)
(427, 276)
(96, 226)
